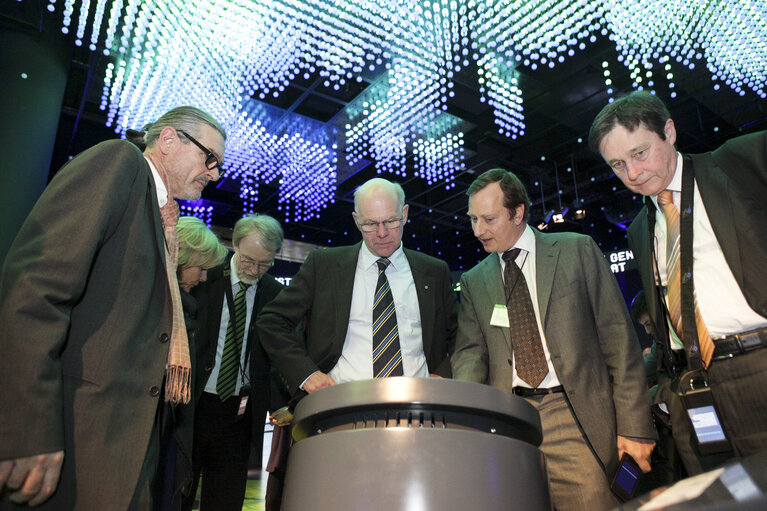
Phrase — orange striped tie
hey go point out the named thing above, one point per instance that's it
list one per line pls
(673, 273)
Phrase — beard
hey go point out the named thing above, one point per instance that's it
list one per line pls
(247, 278)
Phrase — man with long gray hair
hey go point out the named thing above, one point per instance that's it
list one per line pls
(93, 343)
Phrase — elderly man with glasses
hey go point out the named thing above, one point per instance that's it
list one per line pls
(233, 375)
(373, 309)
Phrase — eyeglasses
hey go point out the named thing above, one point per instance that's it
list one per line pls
(211, 160)
(247, 261)
(391, 224)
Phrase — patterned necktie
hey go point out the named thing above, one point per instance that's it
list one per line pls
(230, 359)
(529, 359)
(673, 274)
(387, 357)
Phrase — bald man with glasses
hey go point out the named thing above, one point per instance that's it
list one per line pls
(340, 292)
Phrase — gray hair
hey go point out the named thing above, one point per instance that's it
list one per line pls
(268, 230)
(185, 118)
(379, 184)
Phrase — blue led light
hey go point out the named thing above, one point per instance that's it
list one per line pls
(218, 54)
(199, 208)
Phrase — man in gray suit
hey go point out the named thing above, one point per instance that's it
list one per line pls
(335, 289)
(542, 317)
(91, 329)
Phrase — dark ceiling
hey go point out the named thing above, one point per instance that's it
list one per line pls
(552, 156)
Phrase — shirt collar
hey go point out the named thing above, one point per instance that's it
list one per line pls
(526, 243)
(162, 192)
(676, 182)
(397, 259)
(235, 280)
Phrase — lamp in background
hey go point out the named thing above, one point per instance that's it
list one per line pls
(559, 216)
(579, 210)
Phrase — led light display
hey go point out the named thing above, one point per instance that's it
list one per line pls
(727, 36)
(223, 55)
(199, 208)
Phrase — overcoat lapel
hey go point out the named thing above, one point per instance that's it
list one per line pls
(546, 259)
(159, 235)
(341, 278)
(495, 293)
(714, 187)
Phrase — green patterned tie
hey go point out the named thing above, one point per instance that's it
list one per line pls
(230, 360)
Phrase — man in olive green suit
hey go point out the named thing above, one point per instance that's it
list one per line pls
(334, 291)
(86, 315)
(590, 393)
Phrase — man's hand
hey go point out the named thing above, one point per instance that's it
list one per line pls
(281, 417)
(33, 478)
(317, 381)
(638, 448)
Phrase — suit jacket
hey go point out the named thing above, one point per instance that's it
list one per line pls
(321, 291)
(210, 298)
(591, 339)
(732, 181)
(86, 314)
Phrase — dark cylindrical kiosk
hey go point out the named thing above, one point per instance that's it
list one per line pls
(415, 444)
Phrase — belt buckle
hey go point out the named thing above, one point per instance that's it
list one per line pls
(749, 341)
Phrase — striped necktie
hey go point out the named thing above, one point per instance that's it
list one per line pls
(387, 357)
(673, 274)
(230, 359)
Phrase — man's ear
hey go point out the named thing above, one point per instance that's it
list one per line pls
(519, 214)
(670, 131)
(166, 138)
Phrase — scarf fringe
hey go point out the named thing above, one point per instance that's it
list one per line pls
(177, 385)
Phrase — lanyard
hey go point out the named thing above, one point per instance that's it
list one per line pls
(689, 324)
(689, 329)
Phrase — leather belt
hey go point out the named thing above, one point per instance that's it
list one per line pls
(528, 392)
(737, 344)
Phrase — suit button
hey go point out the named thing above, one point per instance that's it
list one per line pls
(154, 391)
(209, 368)
(164, 338)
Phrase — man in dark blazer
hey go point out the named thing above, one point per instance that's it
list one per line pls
(592, 397)
(225, 427)
(86, 309)
(636, 136)
(334, 291)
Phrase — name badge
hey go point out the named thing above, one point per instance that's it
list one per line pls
(500, 316)
(243, 405)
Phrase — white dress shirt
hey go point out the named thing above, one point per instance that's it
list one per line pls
(250, 296)
(162, 192)
(526, 261)
(356, 362)
(722, 305)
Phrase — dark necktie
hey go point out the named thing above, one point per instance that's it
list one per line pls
(674, 277)
(529, 360)
(387, 357)
(230, 359)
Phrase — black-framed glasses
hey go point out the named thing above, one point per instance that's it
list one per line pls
(390, 225)
(211, 160)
